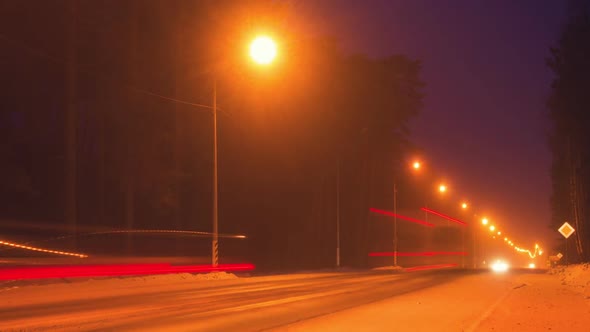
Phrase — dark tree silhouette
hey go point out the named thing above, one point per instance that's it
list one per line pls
(142, 150)
(569, 140)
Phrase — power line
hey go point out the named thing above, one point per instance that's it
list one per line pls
(39, 53)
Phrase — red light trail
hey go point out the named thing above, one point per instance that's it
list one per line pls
(390, 214)
(426, 253)
(443, 216)
(78, 271)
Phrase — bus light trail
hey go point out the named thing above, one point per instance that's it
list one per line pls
(444, 216)
(26, 245)
(390, 214)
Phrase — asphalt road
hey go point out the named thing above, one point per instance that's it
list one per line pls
(245, 304)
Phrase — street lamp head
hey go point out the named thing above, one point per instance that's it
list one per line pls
(464, 206)
(492, 228)
(416, 165)
(499, 233)
(484, 221)
(442, 188)
(263, 50)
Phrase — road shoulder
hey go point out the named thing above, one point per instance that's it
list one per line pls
(541, 302)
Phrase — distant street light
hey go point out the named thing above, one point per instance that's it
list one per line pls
(416, 165)
(484, 221)
(492, 228)
(442, 188)
(464, 206)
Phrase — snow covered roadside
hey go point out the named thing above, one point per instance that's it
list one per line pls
(121, 280)
(51, 291)
(389, 268)
(575, 277)
(556, 301)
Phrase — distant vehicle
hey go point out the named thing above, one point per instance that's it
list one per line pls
(499, 266)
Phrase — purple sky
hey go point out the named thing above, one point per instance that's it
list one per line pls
(484, 125)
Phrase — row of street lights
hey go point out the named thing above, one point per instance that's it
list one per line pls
(263, 50)
(495, 232)
(464, 205)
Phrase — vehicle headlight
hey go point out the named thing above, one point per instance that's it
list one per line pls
(500, 266)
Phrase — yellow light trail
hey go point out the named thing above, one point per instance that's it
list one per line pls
(57, 252)
(538, 251)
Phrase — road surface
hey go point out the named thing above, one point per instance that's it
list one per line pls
(442, 300)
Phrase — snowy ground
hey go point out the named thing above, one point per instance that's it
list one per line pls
(554, 301)
(575, 277)
(443, 300)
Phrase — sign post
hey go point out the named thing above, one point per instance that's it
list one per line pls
(566, 230)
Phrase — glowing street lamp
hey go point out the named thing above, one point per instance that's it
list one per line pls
(484, 221)
(442, 188)
(492, 228)
(415, 166)
(464, 206)
(263, 50)
(499, 233)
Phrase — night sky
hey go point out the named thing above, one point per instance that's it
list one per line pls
(484, 123)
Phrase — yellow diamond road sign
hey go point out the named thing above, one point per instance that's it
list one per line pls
(566, 230)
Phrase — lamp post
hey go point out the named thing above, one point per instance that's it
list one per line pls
(263, 51)
(464, 207)
(416, 165)
(215, 239)
(394, 224)
(338, 214)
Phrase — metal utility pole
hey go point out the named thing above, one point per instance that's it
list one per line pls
(394, 224)
(463, 247)
(476, 253)
(338, 214)
(214, 242)
(71, 125)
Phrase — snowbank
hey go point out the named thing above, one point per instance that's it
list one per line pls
(574, 276)
(174, 277)
(123, 281)
(389, 268)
